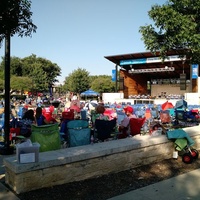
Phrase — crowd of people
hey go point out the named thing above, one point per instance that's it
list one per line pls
(41, 111)
(36, 111)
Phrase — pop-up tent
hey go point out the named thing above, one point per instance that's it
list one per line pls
(89, 93)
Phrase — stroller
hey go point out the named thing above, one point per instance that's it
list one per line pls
(183, 145)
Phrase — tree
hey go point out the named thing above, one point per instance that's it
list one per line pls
(40, 71)
(21, 84)
(78, 81)
(15, 18)
(15, 66)
(43, 71)
(1, 81)
(102, 84)
(2, 84)
(176, 26)
(39, 82)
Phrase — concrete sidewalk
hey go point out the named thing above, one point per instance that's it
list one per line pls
(6, 194)
(182, 187)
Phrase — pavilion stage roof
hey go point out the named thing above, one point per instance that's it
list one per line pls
(180, 66)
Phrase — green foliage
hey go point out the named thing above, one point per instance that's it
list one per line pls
(39, 79)
(1, 85)
(103, 84)
(78, 81)
(15, 18)
(176, 26)
(47, 71)
(41, 73)
(20, 83)
(16, 66)
(2, 80)
(1, 74)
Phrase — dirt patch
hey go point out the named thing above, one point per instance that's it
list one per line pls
(110, 185)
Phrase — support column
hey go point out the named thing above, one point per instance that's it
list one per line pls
(116, 78)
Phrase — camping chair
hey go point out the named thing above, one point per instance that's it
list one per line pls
(180, 113)
(68, 114)
(104, 128)
(47, 136)
(165, 117)
(171, 112)
(154, 114)
(136, 125)
(79, 133)
(2, 121)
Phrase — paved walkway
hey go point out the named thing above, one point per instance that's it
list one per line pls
(5, 193)
(182, 187)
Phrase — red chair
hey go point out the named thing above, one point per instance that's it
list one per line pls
(123, 133)
(136, 125)
(68, 114)
(13, 133)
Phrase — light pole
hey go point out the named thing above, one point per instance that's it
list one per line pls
(7, 149)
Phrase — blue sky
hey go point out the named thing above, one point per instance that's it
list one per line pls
(79, 33)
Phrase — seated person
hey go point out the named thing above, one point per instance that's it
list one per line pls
(100, 109)
(124, 125)
(75, 105)
(111, 113)
(25, 123)
(29, 115)
(41, 119)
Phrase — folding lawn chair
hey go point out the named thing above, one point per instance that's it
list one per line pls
(104, 128)
(165, 117)
(136, 125)
(79, 133)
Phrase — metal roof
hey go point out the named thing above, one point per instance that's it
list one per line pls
(180, 66)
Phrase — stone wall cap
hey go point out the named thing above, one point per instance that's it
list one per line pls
(74, 154)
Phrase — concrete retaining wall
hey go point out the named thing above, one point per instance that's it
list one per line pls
(79, 163)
